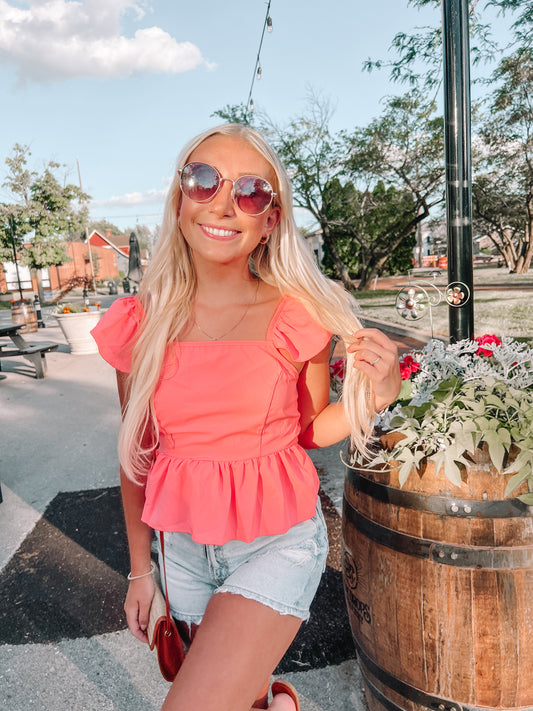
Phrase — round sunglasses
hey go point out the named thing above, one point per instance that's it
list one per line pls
(201, 182)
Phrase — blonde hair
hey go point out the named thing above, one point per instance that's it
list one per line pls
(168, 289)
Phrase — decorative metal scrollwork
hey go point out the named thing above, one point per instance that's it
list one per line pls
(411, 303)
(457, 294)
(414, 301)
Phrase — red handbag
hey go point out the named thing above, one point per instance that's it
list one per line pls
(162, 631)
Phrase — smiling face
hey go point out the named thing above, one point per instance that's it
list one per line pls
(218, 231)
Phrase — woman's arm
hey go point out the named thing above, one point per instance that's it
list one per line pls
(141, 590)
(323, 424)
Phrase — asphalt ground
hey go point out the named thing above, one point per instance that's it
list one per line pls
(64, 645)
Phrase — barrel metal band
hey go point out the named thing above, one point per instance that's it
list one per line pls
(499, 558)
(441, 505)
(411, 693)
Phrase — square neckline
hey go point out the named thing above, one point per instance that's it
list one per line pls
(267, 339)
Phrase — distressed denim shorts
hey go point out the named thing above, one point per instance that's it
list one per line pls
(282, 571)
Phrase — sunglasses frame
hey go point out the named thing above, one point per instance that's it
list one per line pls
(233, 182)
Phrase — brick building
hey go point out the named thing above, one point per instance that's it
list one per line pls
(110, 254)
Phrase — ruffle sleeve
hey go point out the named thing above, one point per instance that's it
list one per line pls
(115, 334)
(296, 331)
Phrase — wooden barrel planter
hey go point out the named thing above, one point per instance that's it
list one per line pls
(23, 312)
(439, 589)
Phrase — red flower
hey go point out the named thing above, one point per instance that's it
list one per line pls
(486, 339)
(336, 369)
(408, 366)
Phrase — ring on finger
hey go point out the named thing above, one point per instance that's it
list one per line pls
(373, 362)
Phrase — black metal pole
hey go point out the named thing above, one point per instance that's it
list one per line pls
(458, 168)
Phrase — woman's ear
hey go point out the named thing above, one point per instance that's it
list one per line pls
(273, 220)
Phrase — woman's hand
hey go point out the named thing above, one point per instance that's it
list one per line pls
(376, 355)
(137, 606)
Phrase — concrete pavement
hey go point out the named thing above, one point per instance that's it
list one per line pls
(63, 641)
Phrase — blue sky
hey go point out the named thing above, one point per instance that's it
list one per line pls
(121, 85)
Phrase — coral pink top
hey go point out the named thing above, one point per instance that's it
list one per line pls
(228, 465)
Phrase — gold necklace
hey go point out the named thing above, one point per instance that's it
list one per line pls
(218, 338)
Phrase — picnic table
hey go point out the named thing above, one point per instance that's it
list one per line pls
(34, 352)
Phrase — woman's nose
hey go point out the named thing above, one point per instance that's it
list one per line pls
(222, 203)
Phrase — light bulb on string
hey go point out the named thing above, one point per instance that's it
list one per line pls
(258, 70)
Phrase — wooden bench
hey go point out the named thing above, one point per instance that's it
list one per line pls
(34, 352)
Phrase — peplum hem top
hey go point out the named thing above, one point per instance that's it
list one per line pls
(228, 465)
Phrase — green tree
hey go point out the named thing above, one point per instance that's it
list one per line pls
(418, 55)
(103, 225)
(401, 260)
(236, 113)
(314, 158)
(503, 185)
(363, 225)
(341, 206)
(14, 223)
(43, 213)
(366, 189)
(399, 159)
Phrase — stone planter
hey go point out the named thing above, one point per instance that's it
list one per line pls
(76, 328)
(438, 582)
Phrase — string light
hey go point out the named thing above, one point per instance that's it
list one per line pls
(267, 25)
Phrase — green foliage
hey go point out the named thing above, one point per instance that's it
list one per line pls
(502, 197)
(235, 113)
(43, 211)
(401, 153)
(360, 223)
(460, 397)
(458, 419)
(103, 225)
(425, 46)
(401, 260)
(418, 56)
(367, 189)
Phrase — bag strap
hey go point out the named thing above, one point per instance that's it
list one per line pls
(162, 541)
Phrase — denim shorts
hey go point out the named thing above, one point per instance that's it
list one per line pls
(281, 571)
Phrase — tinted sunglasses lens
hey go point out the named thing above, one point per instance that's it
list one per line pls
(199, 181)
(252, 194)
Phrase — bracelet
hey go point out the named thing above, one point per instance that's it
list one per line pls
(143, 575)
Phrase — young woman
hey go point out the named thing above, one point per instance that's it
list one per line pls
(222, 365)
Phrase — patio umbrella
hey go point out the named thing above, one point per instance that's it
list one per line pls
(134, 265)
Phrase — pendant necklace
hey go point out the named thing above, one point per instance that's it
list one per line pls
(218, 338)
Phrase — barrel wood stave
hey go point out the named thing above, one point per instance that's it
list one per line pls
(455, 631)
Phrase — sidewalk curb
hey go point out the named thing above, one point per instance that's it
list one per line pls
(422, 336)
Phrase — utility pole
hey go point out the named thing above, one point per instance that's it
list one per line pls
(93, 282)
(457, 141)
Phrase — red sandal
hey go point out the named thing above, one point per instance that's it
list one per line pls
(284, 687)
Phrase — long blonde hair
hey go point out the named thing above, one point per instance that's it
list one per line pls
(168, 289)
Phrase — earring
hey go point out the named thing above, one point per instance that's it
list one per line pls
(264, 239)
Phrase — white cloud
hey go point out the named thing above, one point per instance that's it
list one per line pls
(150, 197)
(54, 40)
